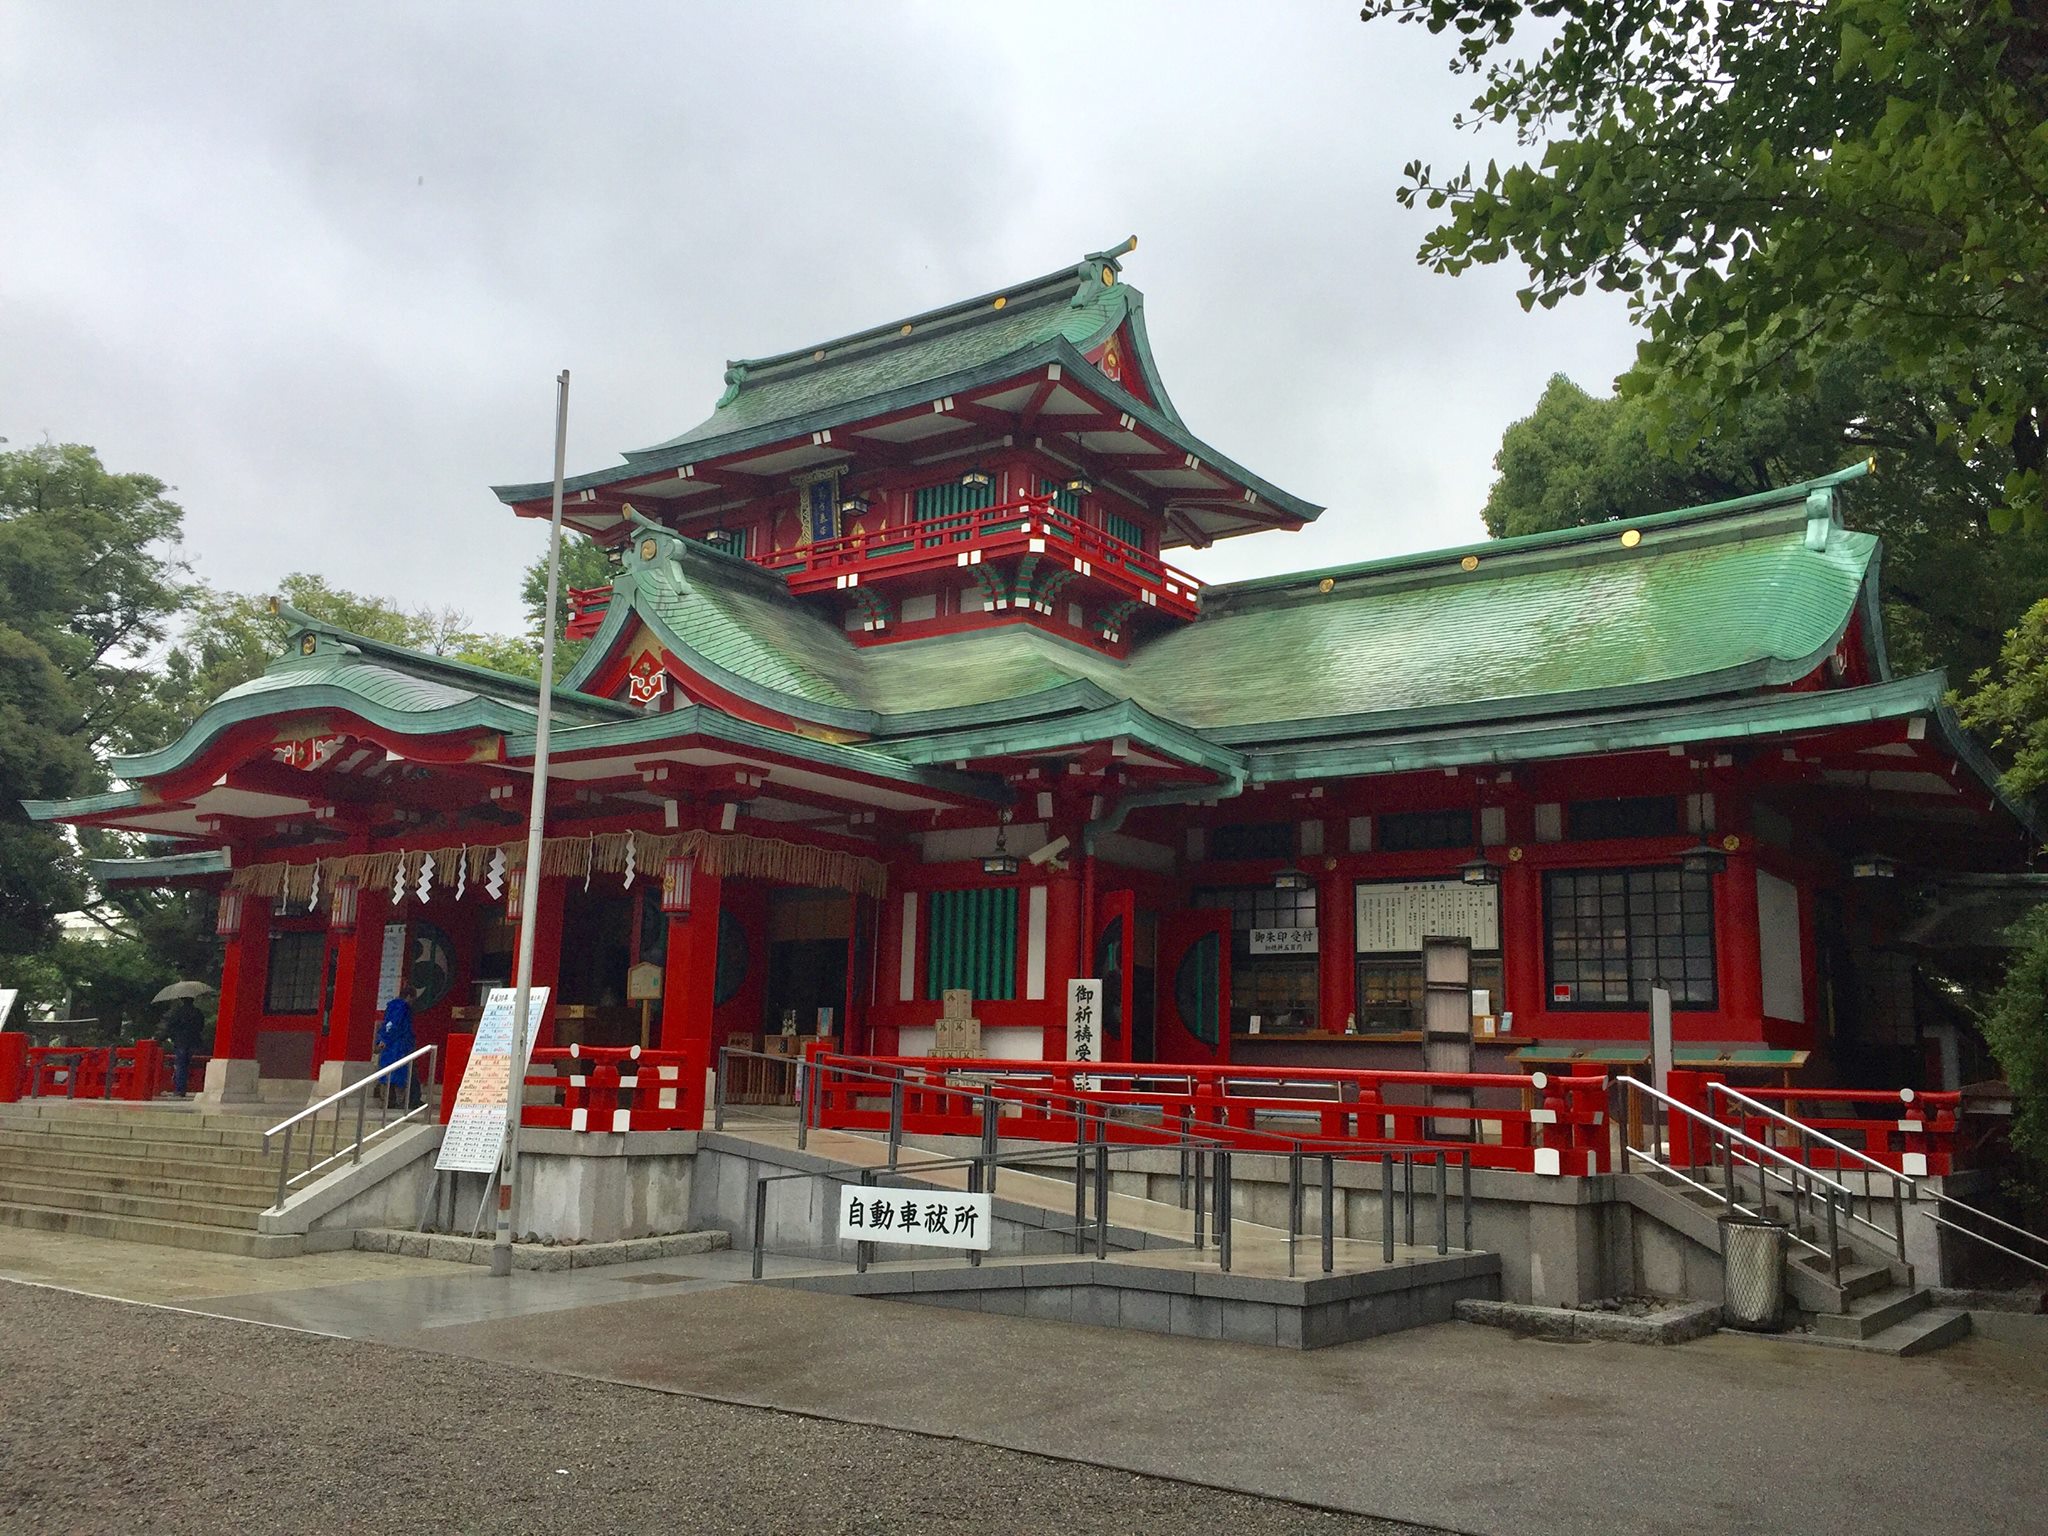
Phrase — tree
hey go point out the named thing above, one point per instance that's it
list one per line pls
(1952, 586)
(2012, 1028)
(584, 564)
(1773, 184)
(89, 577)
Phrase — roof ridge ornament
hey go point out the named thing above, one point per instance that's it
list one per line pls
(1098, 270)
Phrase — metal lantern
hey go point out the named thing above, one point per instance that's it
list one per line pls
(1081, 485)
(977, 479)
(676, 875)
(1703, 859)
(227, 920)
(1293, 878)
(341, 906)
(1002, 861)
(1873, 866)
(854, 506)
(1479, 871)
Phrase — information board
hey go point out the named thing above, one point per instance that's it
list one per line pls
(475, 1138)
(1284, 941)
(922, 1217)
(1394, 917)
(1084, 1020)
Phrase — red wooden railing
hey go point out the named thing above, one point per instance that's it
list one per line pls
(1907, 1130)
(1031, 525)
(607, 1088)
(1540, 1124)
(139, 1071)
(587, 606)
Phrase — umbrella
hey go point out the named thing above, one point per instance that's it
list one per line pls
(182, 989)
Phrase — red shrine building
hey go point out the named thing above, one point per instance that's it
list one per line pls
(896, 691)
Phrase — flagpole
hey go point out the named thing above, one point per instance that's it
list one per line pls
(529, 885)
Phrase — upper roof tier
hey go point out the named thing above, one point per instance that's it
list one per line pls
(1061, 361)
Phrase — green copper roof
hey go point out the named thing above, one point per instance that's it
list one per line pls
(1048, 320)
(166, 869)
(1748, 598)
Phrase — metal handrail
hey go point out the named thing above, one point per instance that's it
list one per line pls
(1182, 1140)
(1898, 1179)
(360, 1090)
(1722, 1128)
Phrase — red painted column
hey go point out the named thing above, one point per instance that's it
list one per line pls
(1738, 948)
(352, 1019)
(688, 981)
(1069, 953)
(243, 973)
(547, 950)
(1521, 942)
(1336, 967)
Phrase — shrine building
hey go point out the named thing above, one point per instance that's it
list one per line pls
(896, 690)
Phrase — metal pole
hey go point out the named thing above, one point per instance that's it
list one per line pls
(803, 1103)
(1293, 1204)
(1408, 1198)
(536, 823)
(991, 1138)
(1102, 1188)
(861, 1250)
(760, 1219)
(718, 1088)
(362, 1103)
(1386, 1207)
(1223, 1222)
(284, 1166)
(1200, 1192)
(895, 1118)
(1465, 1194)
(974, 1188)
(1835, 1250)
(1080, 1173)
(1329, 1213)
(1443, 1205)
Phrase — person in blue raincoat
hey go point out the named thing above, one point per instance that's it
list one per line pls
(395, 1043)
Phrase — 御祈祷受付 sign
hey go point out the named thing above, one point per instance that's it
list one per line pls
(925, 1217)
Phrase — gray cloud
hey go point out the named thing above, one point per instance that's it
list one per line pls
(317, 264)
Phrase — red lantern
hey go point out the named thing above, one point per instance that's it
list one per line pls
(675, 885)
(227, 921)
(341, 907)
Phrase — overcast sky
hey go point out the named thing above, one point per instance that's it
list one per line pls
(317, 264)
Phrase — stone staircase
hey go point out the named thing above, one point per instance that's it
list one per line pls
(166, 1173)
(1878, 1306)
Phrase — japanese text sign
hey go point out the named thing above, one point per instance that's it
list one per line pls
(924, 1217)
(475, 1138)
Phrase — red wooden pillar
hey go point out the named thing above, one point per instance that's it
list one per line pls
(243, 973)
(1521, 944)
(547, 951)
(1336, 963)
(352, 1017)
(1738, 942)
(1069, 954)
(689, 979)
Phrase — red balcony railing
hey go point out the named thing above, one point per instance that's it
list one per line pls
(1034, 525)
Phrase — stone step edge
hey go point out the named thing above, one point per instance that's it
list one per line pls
(539, 1257)
(154, 1231)
(95, 1202)
(1680, 1323)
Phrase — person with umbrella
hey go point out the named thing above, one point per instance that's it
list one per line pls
(181, 1027)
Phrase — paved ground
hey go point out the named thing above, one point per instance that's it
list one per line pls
(116, 1417)
(1454, 1426)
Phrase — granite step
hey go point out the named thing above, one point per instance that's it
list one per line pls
(147, 1207)
(139, 1229)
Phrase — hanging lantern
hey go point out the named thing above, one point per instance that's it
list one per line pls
(1703, 858)
(341, 907)
(1002, 861)
(1081, 485)
(1479, 871)
(977, 479)
(676, 874)
(1293, 879)
(227, 920)
(515, 894)
(1873, 866)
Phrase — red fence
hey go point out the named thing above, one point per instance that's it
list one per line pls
(139, 1071)
(603, 1088)
(1907, 1130)
(1539, 1124)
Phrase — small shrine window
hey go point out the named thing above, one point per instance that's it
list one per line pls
(1127, 529)
(1406, 831)
(972, 943)
(1636, 816)
(1613, 932)
(949, 498)
(293, 982)
(1253, 840)
(1280, 989)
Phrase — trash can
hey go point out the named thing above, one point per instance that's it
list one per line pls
(1753, 1273)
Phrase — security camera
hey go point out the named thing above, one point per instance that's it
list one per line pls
(1050, 854)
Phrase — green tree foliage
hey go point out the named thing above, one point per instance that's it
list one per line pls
(1774, 184)
(2008, 703)
(2012, 1028)
(1952, 586)
(584, 564)
(89, 578)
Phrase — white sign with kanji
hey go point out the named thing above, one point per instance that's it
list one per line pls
(1084, 1019)
(475, 1137)
(926, 1218)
